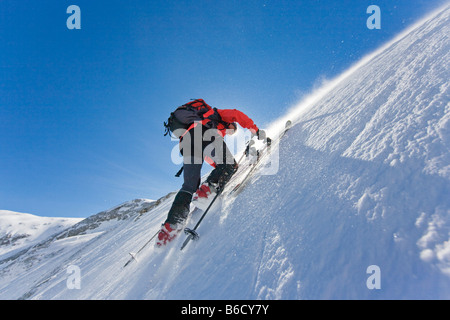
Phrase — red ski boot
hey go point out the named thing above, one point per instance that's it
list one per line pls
(203, 196)
(167, 233)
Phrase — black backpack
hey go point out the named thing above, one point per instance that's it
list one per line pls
(183, 117)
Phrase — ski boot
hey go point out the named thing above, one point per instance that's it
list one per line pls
(167, 233)
(203, 196)
(175, 219)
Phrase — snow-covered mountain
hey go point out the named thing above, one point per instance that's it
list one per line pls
(359, 207)
(21, 230)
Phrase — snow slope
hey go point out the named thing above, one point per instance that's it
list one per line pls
(19, 230)
(363, 179)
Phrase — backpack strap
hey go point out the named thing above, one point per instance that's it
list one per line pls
(214, 116)
(179, 172)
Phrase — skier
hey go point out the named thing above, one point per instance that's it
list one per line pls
(211, 147)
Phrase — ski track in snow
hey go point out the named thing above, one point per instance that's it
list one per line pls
(363, 179)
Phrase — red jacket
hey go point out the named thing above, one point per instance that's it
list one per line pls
(233, 115)
(227, 115)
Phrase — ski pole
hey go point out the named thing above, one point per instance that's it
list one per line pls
(192, 234)
(133, 255)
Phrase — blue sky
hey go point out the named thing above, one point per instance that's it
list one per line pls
(81, 111)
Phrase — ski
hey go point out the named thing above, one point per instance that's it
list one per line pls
(261, 155)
